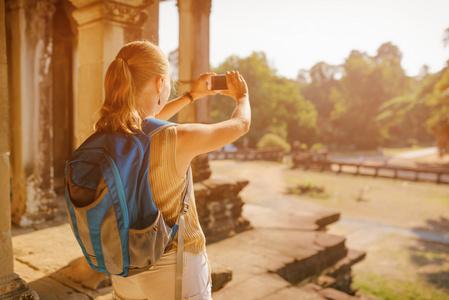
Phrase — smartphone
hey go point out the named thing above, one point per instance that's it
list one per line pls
(218, 83)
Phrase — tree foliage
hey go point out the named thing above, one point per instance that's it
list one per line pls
(322, 78)
(367, 83)
(276, 102)
(403, 118)
(366, 102)
(438, 103)
(272, 140)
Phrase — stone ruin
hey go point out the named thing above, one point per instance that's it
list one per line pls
(220, 208)
(293, 245)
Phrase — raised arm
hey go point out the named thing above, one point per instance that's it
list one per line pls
(195, 139)
(199, 90)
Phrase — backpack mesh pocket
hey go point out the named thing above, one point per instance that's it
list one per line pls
(147, 245)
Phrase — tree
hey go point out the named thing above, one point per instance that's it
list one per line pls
(367, 83)
(322, 80)
(438, 122)
(277, 104)
(403, 118)
(446, 37)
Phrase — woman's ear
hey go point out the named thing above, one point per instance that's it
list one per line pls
(160, 84)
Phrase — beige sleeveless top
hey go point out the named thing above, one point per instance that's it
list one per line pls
(167, 187)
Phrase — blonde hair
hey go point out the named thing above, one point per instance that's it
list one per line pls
(135, 64)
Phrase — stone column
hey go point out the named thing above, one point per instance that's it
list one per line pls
(104, 26)
(11, 286)
(29, 35)
(151, 26)
(194, 60)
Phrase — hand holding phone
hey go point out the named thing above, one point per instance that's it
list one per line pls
(218, 83)
(235, 86)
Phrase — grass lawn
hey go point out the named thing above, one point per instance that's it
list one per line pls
(408, 204)
(399, 268)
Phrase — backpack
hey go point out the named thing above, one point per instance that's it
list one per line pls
(110, 206)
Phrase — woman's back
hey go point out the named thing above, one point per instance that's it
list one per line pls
(167, 186)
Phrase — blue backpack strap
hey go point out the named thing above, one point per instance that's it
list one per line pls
(151, 126)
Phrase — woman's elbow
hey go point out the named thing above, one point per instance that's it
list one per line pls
(245, 125)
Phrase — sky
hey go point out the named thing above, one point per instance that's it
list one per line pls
(296, 34)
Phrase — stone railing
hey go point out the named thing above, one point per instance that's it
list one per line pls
(249, 154)
(388, 171)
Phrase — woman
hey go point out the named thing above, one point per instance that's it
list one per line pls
(137, 86)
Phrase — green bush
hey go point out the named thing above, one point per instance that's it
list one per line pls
(271, 140)
(316, 147)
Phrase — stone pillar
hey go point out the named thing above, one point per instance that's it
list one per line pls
(64, 45)
(104, 26)
(11, 286)
(151, 26)
(194, 60)
(29, 48)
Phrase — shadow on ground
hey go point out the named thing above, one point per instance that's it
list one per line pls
(432, 258)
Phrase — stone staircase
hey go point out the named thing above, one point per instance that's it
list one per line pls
(287, 253)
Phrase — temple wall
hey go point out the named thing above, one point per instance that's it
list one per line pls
(29, 48)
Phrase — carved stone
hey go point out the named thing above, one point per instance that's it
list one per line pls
(220, 208)
(14, 288)
(13, 4)
(124, 14)
(201, 170)
(128, 13)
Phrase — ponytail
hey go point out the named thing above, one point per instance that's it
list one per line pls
(135, 64)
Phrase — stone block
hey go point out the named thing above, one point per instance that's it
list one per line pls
(333, 246)
(252, 287)
(323, 216)
(345, 264)
(49, 289)
(47, 250)
(342, 272)
(263, 217)
(355, 256)
(221, 275)
(325, 281)
(329, 293)
(295, 293)
(26, 272)
(220, 208)
(80, 272)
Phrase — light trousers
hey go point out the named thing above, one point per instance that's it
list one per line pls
(159, 282)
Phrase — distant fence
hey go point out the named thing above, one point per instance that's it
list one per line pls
(250, 154)
(396, 172)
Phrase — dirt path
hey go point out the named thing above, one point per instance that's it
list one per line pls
(417, 153)
(414, 206)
